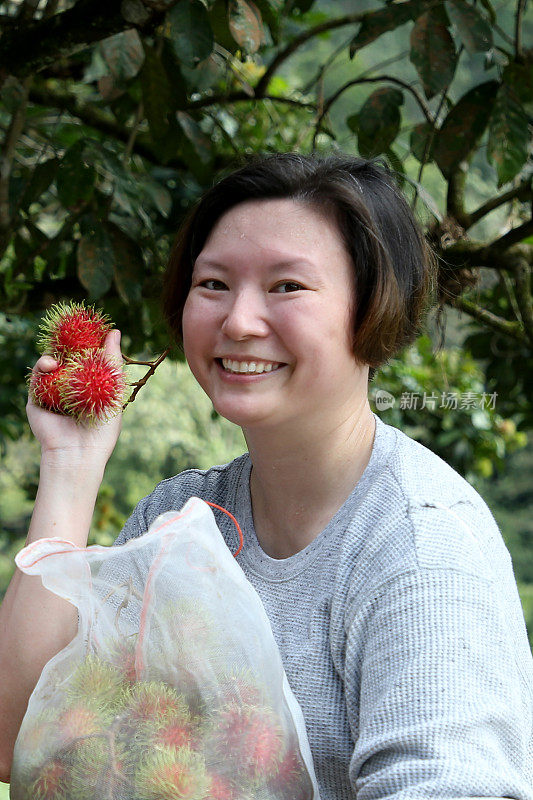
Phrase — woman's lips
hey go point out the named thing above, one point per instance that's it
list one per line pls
(250, 366)
(247, 370)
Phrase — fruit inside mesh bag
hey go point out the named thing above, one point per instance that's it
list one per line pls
(173, 688)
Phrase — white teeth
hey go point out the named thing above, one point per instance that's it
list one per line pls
(253, 367)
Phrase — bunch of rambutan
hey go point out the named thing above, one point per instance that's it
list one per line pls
(125, 740)
(87, 384)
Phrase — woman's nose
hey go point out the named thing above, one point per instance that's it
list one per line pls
(245, 317)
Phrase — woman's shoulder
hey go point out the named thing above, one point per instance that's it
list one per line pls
(218, 484)
(420, 513)
(421, 474)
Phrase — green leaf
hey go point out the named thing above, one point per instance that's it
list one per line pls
(432, 53)
(41, 178)
(196, 147)
(159, 196)
(190, 32)
(271, 16)
(75, 178)
(418, 142)
(489, 9)
(246, 25)
(123, 54)
(95, 258)
(520, 78)
(395, 164)
(378, 121)
(376, 23)
(472, 27)
(196, 136)
(428, 199)
(158, 97)
(508, 135)
(464, 126)
(174, 68)
(129, 267)
(206, 75)
(218, 19)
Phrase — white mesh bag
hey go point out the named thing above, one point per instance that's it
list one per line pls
(172, 689)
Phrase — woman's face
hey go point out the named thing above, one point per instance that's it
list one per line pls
(266, 324)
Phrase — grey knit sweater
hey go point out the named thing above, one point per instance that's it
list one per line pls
(400, 628)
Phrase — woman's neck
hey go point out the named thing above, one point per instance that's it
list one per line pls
(299, 481)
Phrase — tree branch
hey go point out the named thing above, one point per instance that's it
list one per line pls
(516, 235)
(328, 25)
(91, 116)
(153, 366)
(490, 320)
(522, 276)
(521, 192)
(506, 284)
(376, 79)
(466, 253)
(455, 198)
(239, 97)
(6, 162)
(28, 48)
(520, 8)
(298, 41)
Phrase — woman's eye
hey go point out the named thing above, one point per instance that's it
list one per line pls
(212, 283)
(287, 286)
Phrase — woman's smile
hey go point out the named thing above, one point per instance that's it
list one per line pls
(250, 366)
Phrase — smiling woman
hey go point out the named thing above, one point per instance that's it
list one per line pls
(384, 577)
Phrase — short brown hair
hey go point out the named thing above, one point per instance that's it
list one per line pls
(393, 264)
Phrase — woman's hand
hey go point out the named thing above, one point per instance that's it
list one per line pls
(64, 442)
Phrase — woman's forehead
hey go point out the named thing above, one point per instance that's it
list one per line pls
(285, 226)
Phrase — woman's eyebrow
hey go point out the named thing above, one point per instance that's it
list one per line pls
(283, 263)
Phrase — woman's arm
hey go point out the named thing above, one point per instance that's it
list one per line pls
(34, 623)
(445, 709)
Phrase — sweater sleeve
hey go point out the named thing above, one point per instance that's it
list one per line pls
(437, 704)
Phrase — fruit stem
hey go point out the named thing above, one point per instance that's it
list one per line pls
(153, 366)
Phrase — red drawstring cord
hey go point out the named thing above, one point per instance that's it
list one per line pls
(220, 508)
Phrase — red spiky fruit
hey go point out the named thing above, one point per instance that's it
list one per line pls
(45, 390)
(152, 702)
(51, 784)
(98, 685)
(174, 733)
(121, 654)
(92, 387)
(77, 723)
(68, 328)
(172, 775)
(252, 737)
(99, 769)
(165, 726)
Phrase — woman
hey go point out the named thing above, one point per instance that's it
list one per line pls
(386, 581)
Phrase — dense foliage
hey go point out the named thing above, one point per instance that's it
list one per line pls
(114, 117)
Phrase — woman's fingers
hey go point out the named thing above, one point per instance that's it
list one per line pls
(112, 345)
(45, 364)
